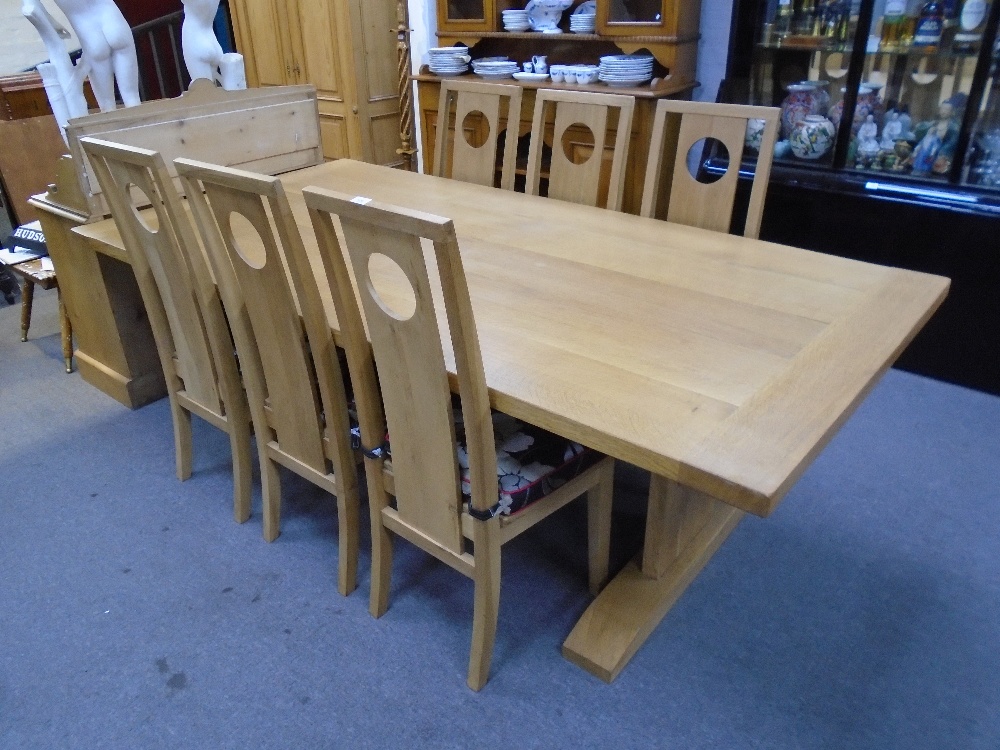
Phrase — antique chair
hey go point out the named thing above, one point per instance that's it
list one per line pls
(448, 476)
(32, 274)
(189, 327)
(470, 163)
(569, 181)
(289, 362)
(671, 192)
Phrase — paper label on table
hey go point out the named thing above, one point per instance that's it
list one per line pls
(361, 201)
(47, 264)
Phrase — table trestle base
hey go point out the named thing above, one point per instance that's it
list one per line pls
(611, 630)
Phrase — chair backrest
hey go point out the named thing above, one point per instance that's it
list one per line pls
(393, 275)
(261, 269)
(568, 181)
(471, 163)
(170, 268)
(671, 191)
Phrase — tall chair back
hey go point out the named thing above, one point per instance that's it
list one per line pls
(672, 192)
(431, 467)
(471, 163)
(181, 300)
(568, 181)
(294, 382)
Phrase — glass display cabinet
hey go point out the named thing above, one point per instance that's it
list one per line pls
(891, 97)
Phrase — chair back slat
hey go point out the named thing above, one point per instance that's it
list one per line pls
(580, 183)
(671, 191)
(568, 181)
(161, 266)
(706, 205)
(391, 270)
(271, 271)
(469, 163)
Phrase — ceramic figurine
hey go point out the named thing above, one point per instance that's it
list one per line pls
(936, 140)
(868, 146)
(892, 132)
(108, 49)
(868, 103)
(812, 137)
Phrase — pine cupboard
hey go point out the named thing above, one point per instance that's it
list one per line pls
(346, 49)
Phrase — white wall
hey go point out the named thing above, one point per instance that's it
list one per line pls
(713, 48)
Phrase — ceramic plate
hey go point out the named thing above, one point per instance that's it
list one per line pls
(590, 6)
(531, 76)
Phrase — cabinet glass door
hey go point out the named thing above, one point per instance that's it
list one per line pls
(640, 17)
(462, 14)
(801, 61)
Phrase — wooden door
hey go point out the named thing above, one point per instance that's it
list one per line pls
(326, 42)
(264, 35)
(374, 58)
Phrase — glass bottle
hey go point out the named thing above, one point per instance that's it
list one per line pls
(783, 17)
(930, 25)
(806, 17)
(895, 24)
(971, 22)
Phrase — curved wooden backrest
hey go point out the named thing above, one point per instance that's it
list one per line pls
(261, 270)
(408, 352)
(580, 183)
(185, 332)
(469, 163)
(670, 189)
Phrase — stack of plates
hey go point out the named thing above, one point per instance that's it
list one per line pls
(516, 20)
(449, 61)
(582, 23)
(583, 18)
(626, 70)
(494, 67)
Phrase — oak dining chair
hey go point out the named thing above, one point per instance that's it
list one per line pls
(454, 478)
(575, 112)
(471, 163)
(185, 313)
(290, 365)
(673, 193)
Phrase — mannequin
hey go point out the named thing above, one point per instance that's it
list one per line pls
(202, 51)
(108, 48)
(63, 81)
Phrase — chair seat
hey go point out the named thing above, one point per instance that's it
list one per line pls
(531, 462)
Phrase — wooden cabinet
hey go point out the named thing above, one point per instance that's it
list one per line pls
(666, 28)
(346, 49)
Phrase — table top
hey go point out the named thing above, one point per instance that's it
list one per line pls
(722, 362)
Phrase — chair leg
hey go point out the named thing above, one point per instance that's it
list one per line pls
(239, 444)
(182, 439)
(27, 297)
(349, 540)
(270, 485)
(378, 499)
(485, 538)
(599, 500)
(66, 331)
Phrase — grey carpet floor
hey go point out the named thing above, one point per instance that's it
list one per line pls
(134, 613)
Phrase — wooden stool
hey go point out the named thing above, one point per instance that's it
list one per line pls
(31, 273)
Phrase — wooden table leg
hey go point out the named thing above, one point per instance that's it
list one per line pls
(684, 528)
(27, 297)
